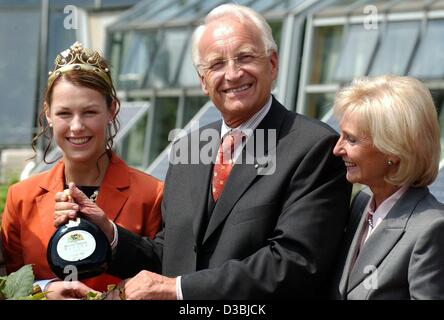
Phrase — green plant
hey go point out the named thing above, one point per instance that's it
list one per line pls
(19, 286)
(3, 192)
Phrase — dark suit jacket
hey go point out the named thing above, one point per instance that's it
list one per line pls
(269, 236)
(403, 258)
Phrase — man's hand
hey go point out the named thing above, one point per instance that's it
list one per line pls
(69, 203)
(146, 285)
(67, 290)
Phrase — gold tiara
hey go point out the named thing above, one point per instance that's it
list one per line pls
(79, 58)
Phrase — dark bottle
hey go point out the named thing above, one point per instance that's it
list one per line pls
(78, 246)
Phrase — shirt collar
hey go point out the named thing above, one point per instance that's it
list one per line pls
(248, 126)
(386, 205)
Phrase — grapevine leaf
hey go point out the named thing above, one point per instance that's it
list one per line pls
(19, 283)
(39, 296)
(92, 296)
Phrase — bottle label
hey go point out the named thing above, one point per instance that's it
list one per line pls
(76, 245)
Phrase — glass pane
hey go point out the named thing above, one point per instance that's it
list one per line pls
(165, 113)
(188, 75)
(261, 5)
(437, 5)
(80, 3)
(319, 104)
(357, 51)
(169, 55)
(167, 12)
(202, 7)
(429, 59)
(285, 5)
(370, 5)
(326, 47)
(137, 52)
(410, 5)
(133, 13)
(156, 10)
(276, 29)
(19, 38)
(337, 8)
(59, 38)
(396, 49)
(115, 55)
(192, 106)
(133, 144)
(15, 3)
(117, 3)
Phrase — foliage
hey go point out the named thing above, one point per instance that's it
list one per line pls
(100, 296)
(19, 286)
(3, 192)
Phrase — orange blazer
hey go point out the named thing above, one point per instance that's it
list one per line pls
(131, 198)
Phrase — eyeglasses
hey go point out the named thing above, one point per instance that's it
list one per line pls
(241, 60)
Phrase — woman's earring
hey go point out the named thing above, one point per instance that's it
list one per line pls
(389, 163)
(50, 125)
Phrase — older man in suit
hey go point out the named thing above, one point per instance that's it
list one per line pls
(256, 229)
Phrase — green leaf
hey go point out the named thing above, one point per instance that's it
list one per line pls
(19, 283)
(92, 296)
(2, 282)
(39, 296)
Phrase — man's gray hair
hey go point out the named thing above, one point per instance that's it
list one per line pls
(242, 14)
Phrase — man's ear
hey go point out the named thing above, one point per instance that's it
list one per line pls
(203, 84)
(274, 60)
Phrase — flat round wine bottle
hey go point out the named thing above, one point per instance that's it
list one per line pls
(78, 246)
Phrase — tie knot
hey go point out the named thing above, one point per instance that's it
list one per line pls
(229, 142)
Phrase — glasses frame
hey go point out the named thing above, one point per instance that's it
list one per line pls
(241, 60)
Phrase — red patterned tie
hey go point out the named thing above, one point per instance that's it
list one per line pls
(224, 163)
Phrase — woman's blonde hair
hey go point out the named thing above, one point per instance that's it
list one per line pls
(399, 115)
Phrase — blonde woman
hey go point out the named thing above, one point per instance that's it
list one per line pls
(390, 143)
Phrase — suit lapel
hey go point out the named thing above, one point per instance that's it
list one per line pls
(243, 174)
(200, 180)
(358, 209)
(240, 179)
(51, 184)
(111, 199)
(385, 237)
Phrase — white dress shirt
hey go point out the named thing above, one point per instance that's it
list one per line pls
(380, 213)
